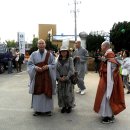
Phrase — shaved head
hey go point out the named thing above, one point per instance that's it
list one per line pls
(105, 46)
(41, 41)
(41, 45)
(106, 43)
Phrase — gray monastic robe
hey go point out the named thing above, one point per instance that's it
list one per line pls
(41, 103)
(81, 65)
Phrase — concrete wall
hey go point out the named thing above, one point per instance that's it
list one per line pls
(44, 29)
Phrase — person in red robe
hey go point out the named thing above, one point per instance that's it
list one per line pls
(109, 100)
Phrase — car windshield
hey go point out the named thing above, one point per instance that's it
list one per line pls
(2, 49)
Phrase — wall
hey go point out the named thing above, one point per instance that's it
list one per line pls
(44, 28)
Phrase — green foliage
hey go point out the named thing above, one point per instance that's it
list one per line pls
(34, 42)
(11, 43)
(120, 35)
(50, 46)
(93, 42)
(34, 45)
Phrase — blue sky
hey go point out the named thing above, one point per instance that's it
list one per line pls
(25, 15)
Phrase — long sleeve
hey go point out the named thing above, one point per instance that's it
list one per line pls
(52, 71)
(110, 68)
(109, 80)
(31, 66)
(84, 57)
(57, 72)
(31, 71)
(71, 67)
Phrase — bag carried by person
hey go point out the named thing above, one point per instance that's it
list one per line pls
(74, 78)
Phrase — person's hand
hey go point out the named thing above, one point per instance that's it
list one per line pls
(62, 79)
(77, 58)
(38, 69)
(45, 67)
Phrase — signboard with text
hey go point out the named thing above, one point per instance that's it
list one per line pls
(21, 42)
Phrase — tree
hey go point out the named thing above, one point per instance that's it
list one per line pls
(11, 43)
(94, 41)
(120, 35)
(34, 45)
(51, 46)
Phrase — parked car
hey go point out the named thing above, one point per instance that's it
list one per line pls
(3, 57)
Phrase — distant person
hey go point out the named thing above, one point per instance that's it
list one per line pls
(13, 50)
(65, 69)
(18, 65)
(97, 60)
(80, 57)
(71, 52)
(126, 70)
(42, 72)
(57, 56)
(21, 61)
(109, 99)
(10, 64)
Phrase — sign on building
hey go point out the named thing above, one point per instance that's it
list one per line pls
(21, 42)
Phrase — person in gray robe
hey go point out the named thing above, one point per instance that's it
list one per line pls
(65, 89)
(42, 90)
(80, 57)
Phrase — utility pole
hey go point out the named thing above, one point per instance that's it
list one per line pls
(75, 17)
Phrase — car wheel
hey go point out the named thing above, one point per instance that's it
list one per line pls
(2, 69)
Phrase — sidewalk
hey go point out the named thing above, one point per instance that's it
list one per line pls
(16, 114)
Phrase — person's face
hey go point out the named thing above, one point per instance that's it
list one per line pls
(41, 45)
(77, 44)
(64, 53)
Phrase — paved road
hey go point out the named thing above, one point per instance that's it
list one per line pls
(16, 114)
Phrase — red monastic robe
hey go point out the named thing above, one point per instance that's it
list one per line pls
(117, 102)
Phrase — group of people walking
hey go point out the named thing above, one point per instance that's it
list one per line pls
(15, 60)
(44, 73)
